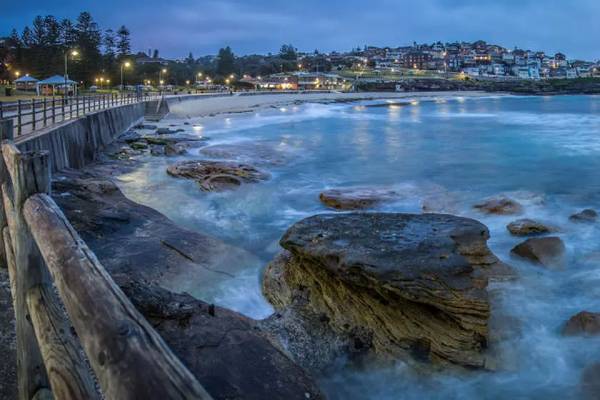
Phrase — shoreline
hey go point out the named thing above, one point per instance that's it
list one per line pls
(207, 107)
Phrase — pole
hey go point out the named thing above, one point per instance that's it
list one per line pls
(66, 72)
(121, 76)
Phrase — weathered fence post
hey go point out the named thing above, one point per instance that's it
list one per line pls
(29, 174)
(6, 133)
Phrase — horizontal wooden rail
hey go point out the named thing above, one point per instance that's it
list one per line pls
(130, 359)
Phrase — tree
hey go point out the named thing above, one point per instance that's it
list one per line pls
(288, 52)
(155, 53)
(89, 39)
(225, 61)
(68, 35)
(123, 41)
(190, 59)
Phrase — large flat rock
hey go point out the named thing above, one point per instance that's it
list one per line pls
(155, 262)
(393, 284)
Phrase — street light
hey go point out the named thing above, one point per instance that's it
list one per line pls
(164, 71)
(74, 53)
(126, 64)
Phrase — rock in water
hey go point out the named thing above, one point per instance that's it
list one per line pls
(590, 382)
(499, 205)
(583, 323)
(587, 215)
(525, 227)
(217, 175)
(547, 251)
(383, 284)
(356, 198)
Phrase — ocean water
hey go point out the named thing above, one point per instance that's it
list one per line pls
(453, 151)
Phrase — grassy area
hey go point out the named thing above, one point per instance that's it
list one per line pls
(17, 95)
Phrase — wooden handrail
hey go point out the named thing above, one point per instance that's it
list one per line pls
(43, 251)
(128, 356)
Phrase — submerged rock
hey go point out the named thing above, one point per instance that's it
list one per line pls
(499, 205)
(130, 137)
(249, 152)
(168, 131)
(587, 215)
(583, 323)
(217, 175)
(547, 251)
(356, 198)
(175, 149)
(139, 145)
(384, 285)
(145, 126)
(590, 382)
(526, 227)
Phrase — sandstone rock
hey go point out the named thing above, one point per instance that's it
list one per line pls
(525, 227)
(499, 205)
(175, 149)
(130, 137)
(387, 285)
(587, 215)
(583, 323)
(145, 126)
(217, 175)
(547, 251)
(356, 198)
(168, 131)
(151, 259)
(139, 145)
(227, 352)
(590, 382)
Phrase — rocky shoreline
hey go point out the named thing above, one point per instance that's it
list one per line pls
(368, 288)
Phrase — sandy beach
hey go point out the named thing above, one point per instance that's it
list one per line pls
(207, 106)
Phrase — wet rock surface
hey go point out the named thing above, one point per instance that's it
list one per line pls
(527, 227)
(217, 175)
(231, 357)
(590, 382)
(584, 323)
(356, 198)
(546, 251)
(151, 259)
(499, 205)
(588, 215)
(383, 285)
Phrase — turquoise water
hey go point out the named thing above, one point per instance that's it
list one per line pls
(453, 151)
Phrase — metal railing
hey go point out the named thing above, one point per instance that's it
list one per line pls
(31, 115)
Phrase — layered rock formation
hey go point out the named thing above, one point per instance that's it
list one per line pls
(384, 285)
(154, 261)
(545, 251)
(356, 198)
(217, 175)
(526, 227)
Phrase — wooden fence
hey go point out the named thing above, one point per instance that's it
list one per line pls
(58, 283)
(30, 115)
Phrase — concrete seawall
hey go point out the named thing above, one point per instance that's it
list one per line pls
(78, 142)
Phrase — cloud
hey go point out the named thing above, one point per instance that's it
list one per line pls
(203, 26)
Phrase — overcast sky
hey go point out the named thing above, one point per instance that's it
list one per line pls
(177, 27)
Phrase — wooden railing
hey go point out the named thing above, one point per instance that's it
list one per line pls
(31, 115)
(58, 283)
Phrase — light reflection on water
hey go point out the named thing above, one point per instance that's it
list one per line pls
(545, 152)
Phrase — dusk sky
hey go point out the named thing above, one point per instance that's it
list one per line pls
(177, 27)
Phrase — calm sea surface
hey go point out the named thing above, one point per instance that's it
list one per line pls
(451, 152)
